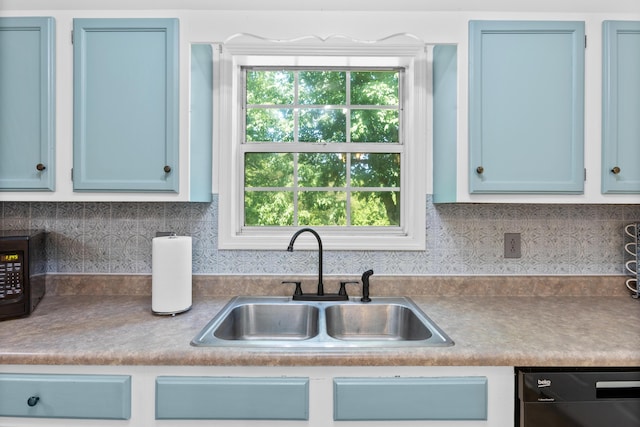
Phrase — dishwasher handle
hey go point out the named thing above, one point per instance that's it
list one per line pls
(618, 389)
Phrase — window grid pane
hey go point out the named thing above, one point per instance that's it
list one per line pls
(377, 90)
(322, 191)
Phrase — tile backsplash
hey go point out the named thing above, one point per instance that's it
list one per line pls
(462, 239)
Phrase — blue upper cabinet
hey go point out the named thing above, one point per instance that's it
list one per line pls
(445, 124)
(621, 107)
(27, 130)
(526, 107)
(126, 114)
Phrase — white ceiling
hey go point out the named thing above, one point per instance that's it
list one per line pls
(582, 6)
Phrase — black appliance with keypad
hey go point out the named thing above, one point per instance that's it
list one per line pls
(23, 262)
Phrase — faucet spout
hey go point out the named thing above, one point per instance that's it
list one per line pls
(317, 236)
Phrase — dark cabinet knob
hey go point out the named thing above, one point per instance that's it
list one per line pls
(167, 169)
(479, 169)
(615, 170)
(33, 400)
(40, 167)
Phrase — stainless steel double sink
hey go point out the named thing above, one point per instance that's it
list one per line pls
(281, 322)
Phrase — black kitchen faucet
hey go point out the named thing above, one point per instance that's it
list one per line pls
(320, 294)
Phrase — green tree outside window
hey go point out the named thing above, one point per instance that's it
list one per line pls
(341, 186)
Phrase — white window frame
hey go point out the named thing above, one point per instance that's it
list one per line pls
(245, 50)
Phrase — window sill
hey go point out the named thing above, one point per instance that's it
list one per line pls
(332, 239)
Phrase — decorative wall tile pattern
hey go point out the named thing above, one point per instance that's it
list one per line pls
(462, 239)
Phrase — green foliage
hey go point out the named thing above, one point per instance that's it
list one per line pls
(374, 88)
(275, 109)
(268, 170)
(269, 125)
(380, 208)
(322, 208)
(270, 87)
(321, 170)
(268, 208)
(374, 125)
(323, 88)
(375, 170)
(322, 125)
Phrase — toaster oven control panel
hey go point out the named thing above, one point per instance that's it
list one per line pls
(11, 276)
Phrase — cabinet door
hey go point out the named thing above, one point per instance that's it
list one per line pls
(27, 104)
(125, 131)
(526, 107)
(232, 398)
(621, 107)
(65, 396)
(447, 398)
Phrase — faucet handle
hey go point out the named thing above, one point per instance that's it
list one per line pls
(343, 290)
(298, 290)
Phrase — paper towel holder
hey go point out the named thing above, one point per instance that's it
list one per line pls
(166, 234)
(166, 298)
(170, 313)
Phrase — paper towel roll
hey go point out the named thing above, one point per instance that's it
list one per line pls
(171, 274)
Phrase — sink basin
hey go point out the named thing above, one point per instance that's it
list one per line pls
(280, 322)
(269, 322)
(375, 322)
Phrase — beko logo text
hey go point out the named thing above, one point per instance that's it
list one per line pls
(544, 383)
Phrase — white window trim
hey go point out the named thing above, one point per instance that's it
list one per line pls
(396, 50)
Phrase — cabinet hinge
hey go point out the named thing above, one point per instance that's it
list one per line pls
(71, 36)
(71, 174)
(585, 174)
(585, 41)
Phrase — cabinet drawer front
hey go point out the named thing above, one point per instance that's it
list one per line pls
(459, 398)
(65, 396)
(232, 398)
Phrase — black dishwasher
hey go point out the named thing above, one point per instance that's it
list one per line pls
(577, 397)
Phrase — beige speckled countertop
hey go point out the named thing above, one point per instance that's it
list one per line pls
(532, 321)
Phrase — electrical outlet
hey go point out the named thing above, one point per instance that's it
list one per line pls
(512, 245)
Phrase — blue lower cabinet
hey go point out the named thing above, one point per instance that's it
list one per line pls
(447, 398)
(232, 398)
(65, 396)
